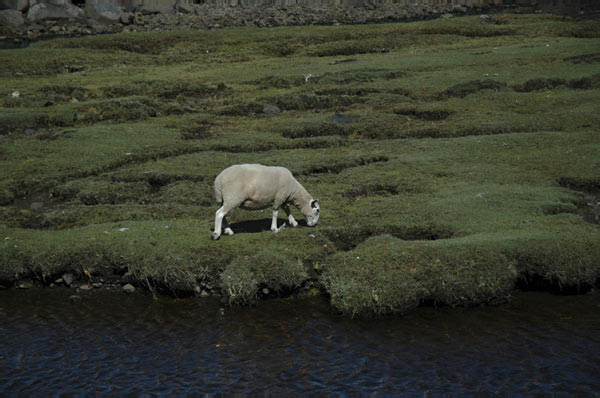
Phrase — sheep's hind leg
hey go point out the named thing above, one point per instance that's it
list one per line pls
(227, 229)
(219, 216)
(291, 219)
(274, 222)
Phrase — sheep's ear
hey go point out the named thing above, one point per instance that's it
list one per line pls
(314, 203)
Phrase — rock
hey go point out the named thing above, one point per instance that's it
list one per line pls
(155, 7)
(342, 119)
(204, 293)
(59, 281)
(75, 298)
(25, 285)
(128, 288)
(184, 6)
(68, 279)
(139, 19)
(96, 285)
(486, 18)
(47, 10)
(85, 287)
(266, 291)
(11, 18)
(36, 205)
(18, 5)
(270, 109)
(110, 17)
(126, 18)
(106, 11)
(458, 8)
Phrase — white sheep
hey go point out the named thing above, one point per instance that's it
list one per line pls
(255, 187)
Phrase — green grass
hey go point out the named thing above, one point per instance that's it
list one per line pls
(457, 175)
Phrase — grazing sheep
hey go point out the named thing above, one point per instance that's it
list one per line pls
(254, 187)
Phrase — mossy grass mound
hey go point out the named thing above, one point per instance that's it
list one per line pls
(455, 160)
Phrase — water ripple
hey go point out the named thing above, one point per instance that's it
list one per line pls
(112, 344)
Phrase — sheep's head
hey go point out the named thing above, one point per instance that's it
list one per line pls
(312, 217)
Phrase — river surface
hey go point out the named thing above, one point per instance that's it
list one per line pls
(115, 344)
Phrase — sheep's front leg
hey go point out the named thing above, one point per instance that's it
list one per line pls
(291, 219)
(274, 222)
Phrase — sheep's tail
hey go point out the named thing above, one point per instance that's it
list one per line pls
(218, 191)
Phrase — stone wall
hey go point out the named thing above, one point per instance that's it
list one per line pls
(25, 20)
(40, 9)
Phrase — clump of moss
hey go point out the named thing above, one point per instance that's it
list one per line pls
(245, 277)
(19, 120)
(552, 261)
(387, 275)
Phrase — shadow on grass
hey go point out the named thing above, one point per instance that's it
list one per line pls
(254, 226)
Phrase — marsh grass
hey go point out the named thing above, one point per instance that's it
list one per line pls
(451, 158)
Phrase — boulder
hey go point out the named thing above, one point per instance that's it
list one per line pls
(11, 18)
(18, 5)
(185, 6)
(126, 18)
(104, 10)
(157, 6)
(48, 10)
(129, 288)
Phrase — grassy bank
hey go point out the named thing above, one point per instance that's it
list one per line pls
(454, 159)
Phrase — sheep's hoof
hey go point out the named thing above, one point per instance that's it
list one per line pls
(214, 236)
(276, 230)
(228, 231)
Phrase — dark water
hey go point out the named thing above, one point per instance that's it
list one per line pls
(114, 344)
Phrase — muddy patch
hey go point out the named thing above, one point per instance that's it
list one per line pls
(350, 48)
(589, 185)
(364, 75)
(50, 95)
(589, 206)
(338, 167)
(198, 130)
(584, 58)
(346, 239)
(422, 113)
(323, 130)
(290, 102)
(277, 82)
(312, 101)
(351, 91)
(540, 84)
(448, 132)
(372, 190)
(463, 89)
